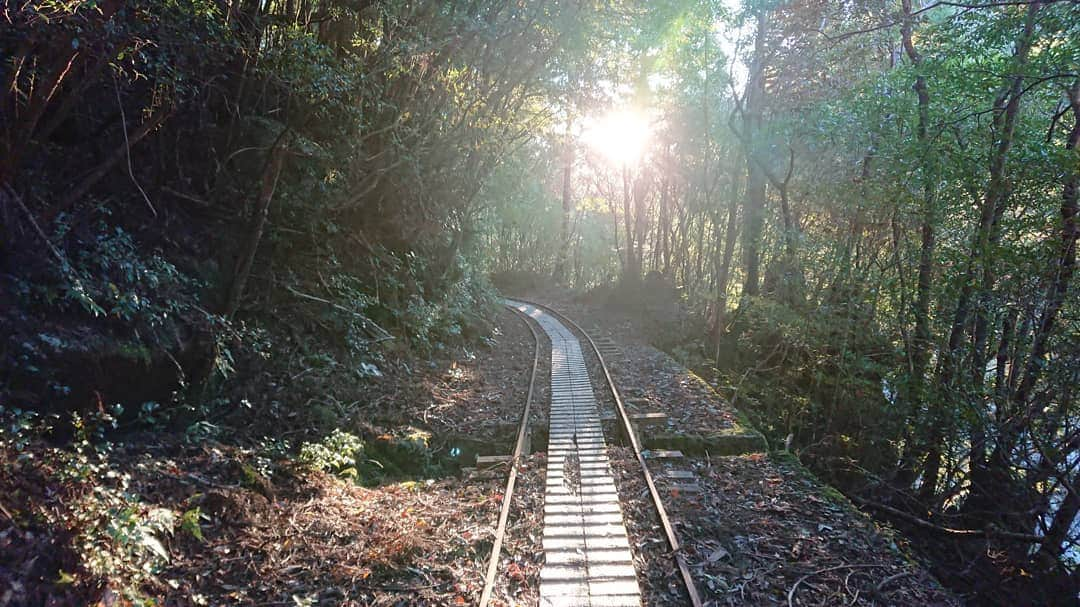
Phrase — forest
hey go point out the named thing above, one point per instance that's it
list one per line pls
(244, 241)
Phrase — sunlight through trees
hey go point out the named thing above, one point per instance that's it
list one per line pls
(858, 218)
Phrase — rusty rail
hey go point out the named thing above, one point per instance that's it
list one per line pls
(519, 447)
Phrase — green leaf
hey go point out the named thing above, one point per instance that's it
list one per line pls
(65, 578)
(155, 546)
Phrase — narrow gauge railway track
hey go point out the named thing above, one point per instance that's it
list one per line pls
(635, 444)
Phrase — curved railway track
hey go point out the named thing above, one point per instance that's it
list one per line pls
(519, 447)
(627, 428)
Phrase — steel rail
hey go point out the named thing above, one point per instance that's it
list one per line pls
(628, 427)
(519, 447)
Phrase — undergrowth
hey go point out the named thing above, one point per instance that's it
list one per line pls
(78, 529)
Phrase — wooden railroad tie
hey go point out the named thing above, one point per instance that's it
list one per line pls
(662, 454)
(481, 473)
(684, 488)
(489, 461)
(685, 475)
(607, 346)
(655, 418)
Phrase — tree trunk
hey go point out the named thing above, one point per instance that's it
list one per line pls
(919, 346)
(724, 263)
(567, 210)
(271, 172)
(631, 270)
(1060, 528)
(615, 235)
(919, 354)
(754, 206)
(641, 224)
(47, 82)
(120, 153)
(1065, 265)
(1007, 113)
(661, 255)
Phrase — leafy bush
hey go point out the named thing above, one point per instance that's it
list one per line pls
(83, 504)
(339, 453)
(402, 453)
(817, 376)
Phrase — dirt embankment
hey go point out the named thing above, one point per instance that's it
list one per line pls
(241, 522)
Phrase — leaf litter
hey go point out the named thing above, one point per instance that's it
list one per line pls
(250, 531)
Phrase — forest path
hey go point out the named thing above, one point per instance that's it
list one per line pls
(588, 558)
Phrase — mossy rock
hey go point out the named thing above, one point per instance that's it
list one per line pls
(739, 439)
(135, 352)
(252, 480)
(741, 424)
(403, 452)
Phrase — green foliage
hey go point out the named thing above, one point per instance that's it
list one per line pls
(191, 523)
(322, 83)
(201, 431)
(403, 453)
(339, 453)
(123, 283)
(19, 427)
(522, 223)
(819, 376)
(393, 120)
(115, 535)
(119, 537)
(451, 307)
(426, 145)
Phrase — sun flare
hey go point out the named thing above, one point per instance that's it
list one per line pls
(620, 136)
